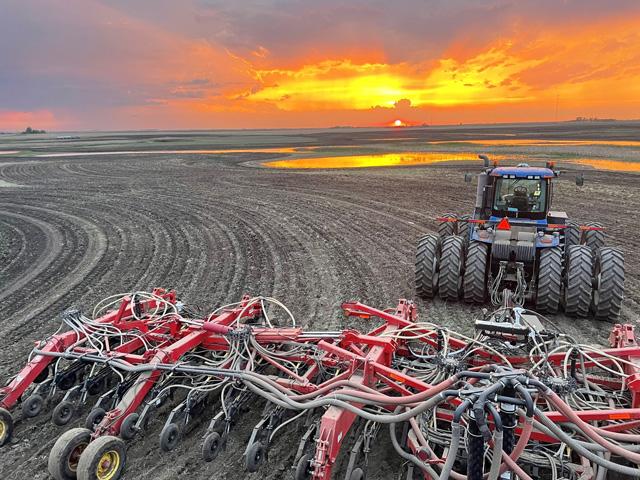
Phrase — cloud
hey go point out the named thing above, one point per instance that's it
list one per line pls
(11, 120)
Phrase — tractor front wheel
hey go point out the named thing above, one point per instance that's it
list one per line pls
(549, 280)
(448, 227)
(578, 281)
(609, 284)
(451, 263)
(426, 270)
(475, 273)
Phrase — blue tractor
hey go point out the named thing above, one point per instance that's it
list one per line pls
(513, 242)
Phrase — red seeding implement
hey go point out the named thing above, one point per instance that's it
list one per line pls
(514, 400)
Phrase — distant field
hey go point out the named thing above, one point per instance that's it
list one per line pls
(216, 223)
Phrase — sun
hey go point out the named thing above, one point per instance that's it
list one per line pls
(398, 123)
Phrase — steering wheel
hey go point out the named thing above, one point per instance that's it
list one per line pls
(521, 190)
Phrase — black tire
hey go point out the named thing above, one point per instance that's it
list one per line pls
(6, 426)
(66, 452)
(475, 273)
(211, 446)
(42, 376)
(447, 228)
(594, 239)
(357, 474)
(609, 284)
(94, 418)
(169, 437)
(426, 269)
(572, 236)
(106, 454)
(549, 280)
(578, 281)
(255, 456)
(63, 413)
(303, 469)
(66, 381)
(128, 428)
(451, 263)
(463, 228)
(32, 406)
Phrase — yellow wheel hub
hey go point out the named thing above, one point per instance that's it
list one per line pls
(3, 429)
(108, 465)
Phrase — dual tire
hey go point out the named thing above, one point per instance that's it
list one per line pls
(442, 268)
(594, 282)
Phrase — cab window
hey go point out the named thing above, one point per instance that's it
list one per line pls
(520, 195)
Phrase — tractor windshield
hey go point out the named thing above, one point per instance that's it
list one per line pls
(520, 195)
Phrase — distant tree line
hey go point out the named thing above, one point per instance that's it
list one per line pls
(32, 131)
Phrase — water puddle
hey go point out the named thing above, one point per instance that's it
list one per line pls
(378, 160)
(171, 152)
(524, 142)
(610, 165)
(9, 152)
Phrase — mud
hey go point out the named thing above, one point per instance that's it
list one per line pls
(214, 226)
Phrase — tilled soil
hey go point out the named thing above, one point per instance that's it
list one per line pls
(213, 227)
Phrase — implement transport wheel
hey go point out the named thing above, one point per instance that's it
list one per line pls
(609, 284)
(578, 281)
(475, 273)
(169, 437)
(32, 406)
(451, 263)
(357, 474)
(66, 452)
(103, 459)
(594, 239)
(63, 413)
(427, 266)
(255, 457)
(6, 426)
(94, 418)
(571, 234)
(211, 446)
(549, 280)
(448, 228)
(303, 469)
(128, 426)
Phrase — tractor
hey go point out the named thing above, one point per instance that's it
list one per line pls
(514, 241)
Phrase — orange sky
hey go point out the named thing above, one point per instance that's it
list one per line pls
(107, 65)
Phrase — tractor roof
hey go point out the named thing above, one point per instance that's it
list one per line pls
(523, 172)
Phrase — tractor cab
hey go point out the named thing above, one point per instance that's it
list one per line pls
(516, 192)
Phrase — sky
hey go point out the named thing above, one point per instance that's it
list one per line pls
(204, 64)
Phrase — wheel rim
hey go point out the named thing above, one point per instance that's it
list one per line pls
(108, 465)
(74, 456)
(3, 429)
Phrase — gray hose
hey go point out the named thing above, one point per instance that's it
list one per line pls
(561, 435)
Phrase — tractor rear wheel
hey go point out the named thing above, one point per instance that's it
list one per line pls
(549, 280)
(426, 269)
(572, 236)
(448, 228)
(594, 239)
(475, 273)
(578, 281)
(609, 286)
(451, 263)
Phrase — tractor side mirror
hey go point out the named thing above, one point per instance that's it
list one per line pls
(580, 180)
(468, 177)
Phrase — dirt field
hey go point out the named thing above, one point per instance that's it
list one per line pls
(76, 229)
